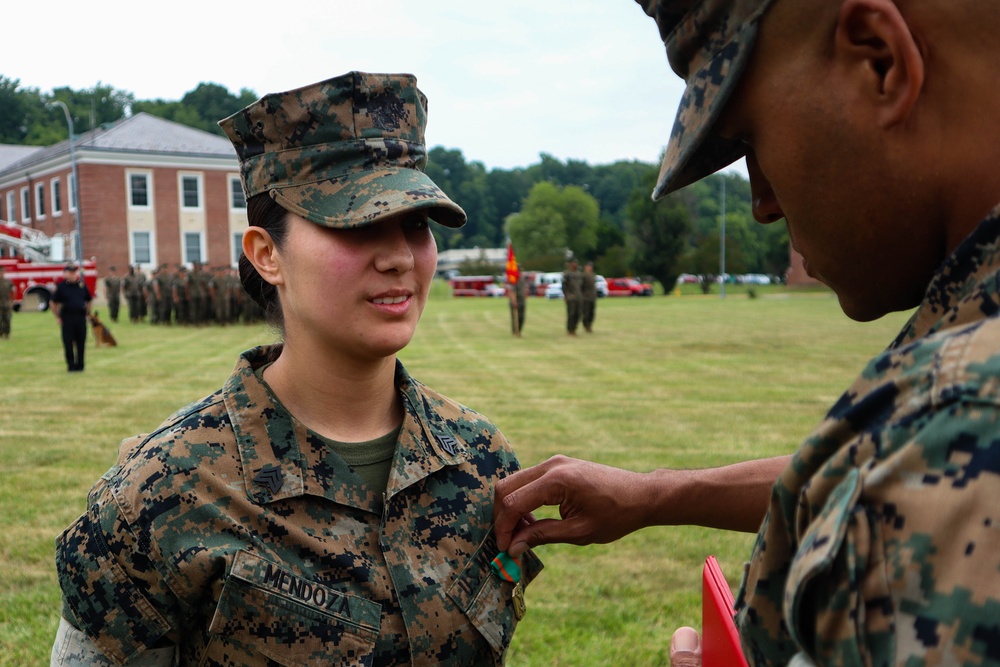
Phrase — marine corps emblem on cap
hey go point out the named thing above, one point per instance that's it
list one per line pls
(343, 152)
(708, 45)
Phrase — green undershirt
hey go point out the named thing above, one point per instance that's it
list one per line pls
(371, 459)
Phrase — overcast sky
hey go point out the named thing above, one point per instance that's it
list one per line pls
(506, 81)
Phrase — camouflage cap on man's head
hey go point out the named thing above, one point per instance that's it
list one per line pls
(708, 44)
(344, 152)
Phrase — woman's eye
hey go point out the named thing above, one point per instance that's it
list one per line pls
(416, 222)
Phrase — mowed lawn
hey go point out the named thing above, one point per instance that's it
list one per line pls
(679, 381)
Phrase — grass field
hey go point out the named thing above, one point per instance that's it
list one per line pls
(683, 381)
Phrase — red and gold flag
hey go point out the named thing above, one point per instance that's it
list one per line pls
(513, 272)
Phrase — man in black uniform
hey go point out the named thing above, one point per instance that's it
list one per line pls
(71, 305)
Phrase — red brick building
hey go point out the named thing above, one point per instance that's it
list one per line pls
(151, 192)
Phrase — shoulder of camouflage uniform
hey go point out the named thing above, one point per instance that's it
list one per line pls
(462, 421)
(207, 413)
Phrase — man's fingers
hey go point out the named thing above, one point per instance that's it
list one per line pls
(518, 495)
(541, 531)
(685, 648)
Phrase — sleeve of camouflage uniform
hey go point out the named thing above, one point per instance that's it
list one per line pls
(882, 543)
(72, 648)
(111, 589)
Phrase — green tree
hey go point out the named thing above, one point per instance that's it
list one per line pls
(14, 119)
(554, 219)
(657, 233)
(213, 102)
(539, 229)
(175, 111)
(614, 262)
(467, 185)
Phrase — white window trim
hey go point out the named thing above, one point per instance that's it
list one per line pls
(40, 201)
(235, 248)
(25, 205)
(180, 191)
(11, 208)
(129, 173)
(152, 248)
(54, 185)
(201, 248)
(72, 192)
(234, 180)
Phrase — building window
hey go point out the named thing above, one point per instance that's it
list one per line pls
(25, 206)
(56, 197)
(192, 248)
(190, 191)
(237, 248)
(138, 185)
(142, 253)
(237, 200)
(40, 201)
(72, 192)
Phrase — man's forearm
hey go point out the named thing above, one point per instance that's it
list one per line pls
(733, 497)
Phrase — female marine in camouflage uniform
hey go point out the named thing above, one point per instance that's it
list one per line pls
(323, 507)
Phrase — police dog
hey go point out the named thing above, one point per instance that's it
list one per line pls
(101, 333)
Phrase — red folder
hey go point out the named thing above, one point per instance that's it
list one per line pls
(720, 641)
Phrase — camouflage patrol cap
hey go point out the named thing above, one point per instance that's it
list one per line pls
(343, 152)
(708, 45)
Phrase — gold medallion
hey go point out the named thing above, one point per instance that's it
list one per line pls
(517, 597)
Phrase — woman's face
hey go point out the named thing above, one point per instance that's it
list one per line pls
(358, 292)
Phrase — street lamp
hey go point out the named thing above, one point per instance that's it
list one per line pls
(722, 240)
(75, 193)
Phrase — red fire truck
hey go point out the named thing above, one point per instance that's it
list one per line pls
(32, 270)
(476, 286)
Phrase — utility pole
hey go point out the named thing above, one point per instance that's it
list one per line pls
(722, 241)
(75, 190)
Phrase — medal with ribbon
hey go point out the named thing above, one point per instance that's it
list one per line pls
(507, 568)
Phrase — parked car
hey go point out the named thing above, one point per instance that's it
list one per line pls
(688, 278)
(475, 286)
(495, 290)
(542, 281)
(628, 287)
(554, 291)
(602, 286)
(754, 279)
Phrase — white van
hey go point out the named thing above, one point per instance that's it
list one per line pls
(543, 280)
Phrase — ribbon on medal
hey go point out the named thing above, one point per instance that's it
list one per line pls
(507, 568)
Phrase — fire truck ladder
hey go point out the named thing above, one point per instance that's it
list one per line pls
(30, 243)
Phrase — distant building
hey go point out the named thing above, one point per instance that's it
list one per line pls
(152, 192)
(450, 261)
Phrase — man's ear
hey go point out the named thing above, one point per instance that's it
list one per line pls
(878, 44)
(259, 248)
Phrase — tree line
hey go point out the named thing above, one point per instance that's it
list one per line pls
(549, 210)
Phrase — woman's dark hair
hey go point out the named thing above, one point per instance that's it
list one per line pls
(264, 212)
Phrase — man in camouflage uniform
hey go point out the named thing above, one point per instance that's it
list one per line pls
(133, 294)
(113, 292)
(197, 294)
(572, 283)
(235, 535)
(179, 290)
(588, 296)
(160, 284)
(219, 294)
(6, 304)
(864, 125)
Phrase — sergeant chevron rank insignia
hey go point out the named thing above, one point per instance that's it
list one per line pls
(448, 443)
(271, 477)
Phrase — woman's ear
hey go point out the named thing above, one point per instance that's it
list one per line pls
(874, 40)
(260, 249)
